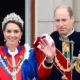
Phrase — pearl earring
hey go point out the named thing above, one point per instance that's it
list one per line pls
(4, 40)
(19, 41)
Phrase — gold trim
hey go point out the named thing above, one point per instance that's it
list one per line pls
(62, 68)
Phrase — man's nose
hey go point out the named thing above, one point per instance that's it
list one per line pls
(61, 23)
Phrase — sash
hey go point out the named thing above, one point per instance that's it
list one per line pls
(62, 65)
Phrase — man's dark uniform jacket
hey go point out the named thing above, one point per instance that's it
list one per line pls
(54, 73)
(75, 37)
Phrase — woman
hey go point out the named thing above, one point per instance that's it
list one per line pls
(16, 62)
(19, 62)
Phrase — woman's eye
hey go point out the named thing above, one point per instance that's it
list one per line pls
(16, 31)
(9, 31)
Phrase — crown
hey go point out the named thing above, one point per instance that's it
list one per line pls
(12, 17)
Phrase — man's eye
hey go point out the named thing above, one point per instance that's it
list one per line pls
(64, 20)
(57, 20)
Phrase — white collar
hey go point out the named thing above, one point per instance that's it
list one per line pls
(69, 33)
(13, 53)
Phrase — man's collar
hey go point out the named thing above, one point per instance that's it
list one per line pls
(69, 33)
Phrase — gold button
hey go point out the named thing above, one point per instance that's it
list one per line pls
(5, 57)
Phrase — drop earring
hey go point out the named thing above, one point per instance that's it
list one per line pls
(19, 41)
(4, 40)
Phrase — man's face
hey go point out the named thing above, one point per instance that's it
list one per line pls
(63, 21)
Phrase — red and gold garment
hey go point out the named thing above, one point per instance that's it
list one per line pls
(61, 69)
(25, 67)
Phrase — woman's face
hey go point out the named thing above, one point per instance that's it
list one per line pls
(12, 34)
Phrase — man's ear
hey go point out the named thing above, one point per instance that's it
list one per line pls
(72, 18)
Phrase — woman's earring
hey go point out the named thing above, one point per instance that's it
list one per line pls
(4, 40)
(19, 41)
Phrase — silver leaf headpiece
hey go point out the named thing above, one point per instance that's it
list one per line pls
(12, 17)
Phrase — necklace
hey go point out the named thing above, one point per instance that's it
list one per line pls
(19, 64)
(13, 74)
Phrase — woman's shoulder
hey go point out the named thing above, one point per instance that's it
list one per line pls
(1, 50)
(29, 52)
(1, 47)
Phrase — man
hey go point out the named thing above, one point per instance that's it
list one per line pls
(64, 35)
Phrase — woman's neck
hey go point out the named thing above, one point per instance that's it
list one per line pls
(12, 48)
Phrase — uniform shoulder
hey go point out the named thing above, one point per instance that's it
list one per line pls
(77, 34)
(55, 34)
